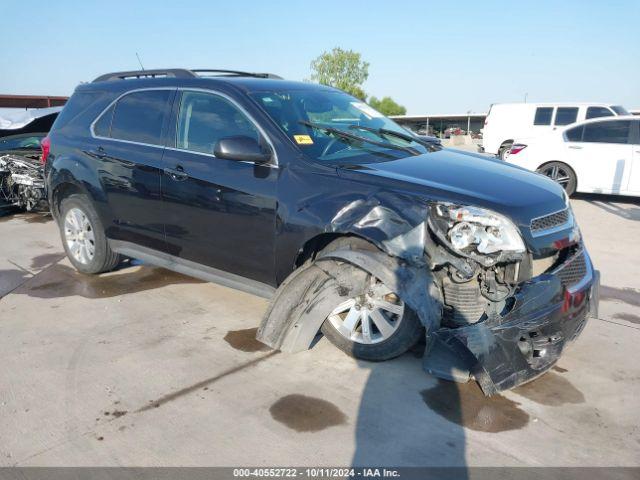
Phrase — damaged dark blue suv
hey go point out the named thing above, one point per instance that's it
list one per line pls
(357, 228)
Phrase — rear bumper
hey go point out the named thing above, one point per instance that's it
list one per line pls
(549, 312)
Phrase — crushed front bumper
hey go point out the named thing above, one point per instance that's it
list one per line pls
(546, 314)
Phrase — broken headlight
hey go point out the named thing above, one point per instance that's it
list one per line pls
(472, 230)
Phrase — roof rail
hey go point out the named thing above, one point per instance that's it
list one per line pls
(235, 73)
(167, 72)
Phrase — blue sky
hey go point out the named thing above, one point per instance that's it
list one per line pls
(432, 57)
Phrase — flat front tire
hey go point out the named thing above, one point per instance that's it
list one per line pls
(83, 237)
(376, 325)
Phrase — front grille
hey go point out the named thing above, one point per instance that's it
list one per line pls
(573, 270)
(548, 222)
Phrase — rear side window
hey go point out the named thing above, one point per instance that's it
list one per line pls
(574, 134)
(102, 128)
(607, 132)
(595, 112)
(543, 116)
(566, 115)
(205, 118)
(138, 116)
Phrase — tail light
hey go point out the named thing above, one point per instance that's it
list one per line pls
(45, 145)
(517, 147)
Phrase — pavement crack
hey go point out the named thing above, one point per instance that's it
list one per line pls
(197, 386)
(33, 275)
(616, 323)
(21, 268)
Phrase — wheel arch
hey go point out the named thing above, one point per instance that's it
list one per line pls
(317, 243)
(63, 190)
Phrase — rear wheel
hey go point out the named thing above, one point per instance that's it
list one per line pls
(376, 325)
(504, 150)
(560, 173)
(83, 236)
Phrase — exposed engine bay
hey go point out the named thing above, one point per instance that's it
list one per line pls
(493, 311)
(22, 182)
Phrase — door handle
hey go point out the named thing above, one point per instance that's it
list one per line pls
(575, 147)
(178, 174)
(99, 152)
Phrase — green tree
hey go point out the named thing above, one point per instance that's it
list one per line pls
(387, 106)
(343, 69)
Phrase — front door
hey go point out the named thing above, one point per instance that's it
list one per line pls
(219, 213)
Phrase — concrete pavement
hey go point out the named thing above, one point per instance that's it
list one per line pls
(146, 367)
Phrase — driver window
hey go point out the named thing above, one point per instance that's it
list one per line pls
(205, 118)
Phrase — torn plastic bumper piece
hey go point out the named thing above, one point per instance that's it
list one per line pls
(505, 352)
(307, 296)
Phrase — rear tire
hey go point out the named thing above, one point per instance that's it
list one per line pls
(504, 149)
(562, 174)
(401, 328)
(83, 236)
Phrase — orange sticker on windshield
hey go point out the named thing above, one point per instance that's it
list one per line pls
(303, 139)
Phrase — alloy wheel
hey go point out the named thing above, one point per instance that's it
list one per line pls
(369, 318)
(558, 174)
(78, 233)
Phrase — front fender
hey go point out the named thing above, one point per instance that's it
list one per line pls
(308, 295)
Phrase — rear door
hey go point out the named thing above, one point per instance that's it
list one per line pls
(219, 213)
(129, 143)
(600, 153)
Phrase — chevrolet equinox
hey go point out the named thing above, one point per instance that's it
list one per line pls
(356, 228)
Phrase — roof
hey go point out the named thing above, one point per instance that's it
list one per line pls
(245, 83)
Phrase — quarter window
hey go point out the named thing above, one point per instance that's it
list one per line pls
(616, 131)
(595, 112)
(543, 116)
(102, 128)
(566, 115)
(138, 116)
(205, 118)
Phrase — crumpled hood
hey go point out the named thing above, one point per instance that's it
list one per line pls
(454, 175)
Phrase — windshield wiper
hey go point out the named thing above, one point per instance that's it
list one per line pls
(357, 138)
(392, 133)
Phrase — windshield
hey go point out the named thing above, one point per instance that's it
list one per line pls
(333, 126)
(619, 110)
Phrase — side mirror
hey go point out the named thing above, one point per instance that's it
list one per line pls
(241, 148)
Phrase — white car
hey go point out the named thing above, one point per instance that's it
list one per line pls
(596, 156)
(507, 121)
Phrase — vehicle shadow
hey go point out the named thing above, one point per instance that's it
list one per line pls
(409, 419)
(621, 206)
